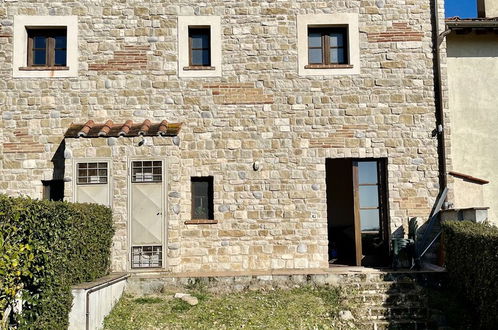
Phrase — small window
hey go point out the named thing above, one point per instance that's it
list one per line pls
(327, 46)
(202, 198)
(146, 171)
(92, 173)
(47, 47)
(199, 46)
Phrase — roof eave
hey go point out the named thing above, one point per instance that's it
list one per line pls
(452, 25)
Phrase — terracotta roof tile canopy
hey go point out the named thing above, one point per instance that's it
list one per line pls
(90, 129)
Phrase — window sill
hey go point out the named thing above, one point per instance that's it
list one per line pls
(201, 222)
(44, 68)
(199, 68)
(328, 66)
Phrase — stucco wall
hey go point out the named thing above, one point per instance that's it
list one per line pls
(473, 88)
(260, 109)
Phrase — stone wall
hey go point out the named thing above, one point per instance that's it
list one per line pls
(259, 110)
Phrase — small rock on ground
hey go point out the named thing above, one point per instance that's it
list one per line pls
(189, 299)
(346, 315)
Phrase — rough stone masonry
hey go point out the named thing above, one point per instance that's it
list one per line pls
(259, 109)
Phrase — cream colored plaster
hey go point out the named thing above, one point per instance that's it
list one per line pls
(343, 19)
(473, 87)
(214, 22)
(491, 8)
(468, 194)
(21, 42)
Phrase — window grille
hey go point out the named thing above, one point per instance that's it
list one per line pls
(147, 171)
(92, 173)
(147, 256)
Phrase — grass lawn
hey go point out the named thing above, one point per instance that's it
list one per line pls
(300, 308)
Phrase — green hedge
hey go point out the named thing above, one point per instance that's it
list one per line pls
(45, 247)
(472, 264)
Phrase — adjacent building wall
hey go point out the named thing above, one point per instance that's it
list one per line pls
(473, 88)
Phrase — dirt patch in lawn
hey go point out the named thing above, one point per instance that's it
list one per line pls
(299, 308)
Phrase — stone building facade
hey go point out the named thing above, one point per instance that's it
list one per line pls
(260, 122)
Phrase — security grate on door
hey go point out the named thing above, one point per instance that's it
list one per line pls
(147, 256)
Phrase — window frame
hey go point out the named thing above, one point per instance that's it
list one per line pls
(50, 46)
(210, 199)
(155, 177)
(325, 32)
(191, 49)
(97, 168)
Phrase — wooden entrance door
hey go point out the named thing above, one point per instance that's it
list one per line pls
(370, 212)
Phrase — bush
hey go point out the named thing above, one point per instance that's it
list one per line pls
(45, 248)
(472, 264)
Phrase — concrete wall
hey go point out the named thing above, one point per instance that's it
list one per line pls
(473, 88)
(101, 304)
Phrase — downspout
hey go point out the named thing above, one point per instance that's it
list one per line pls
(437, 40)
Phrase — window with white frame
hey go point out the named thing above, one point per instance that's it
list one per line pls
(199, 46)
(45, 46)
(328, 44)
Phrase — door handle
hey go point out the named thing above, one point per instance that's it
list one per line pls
(159, 213)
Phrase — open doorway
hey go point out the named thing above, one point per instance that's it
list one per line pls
(358, 227)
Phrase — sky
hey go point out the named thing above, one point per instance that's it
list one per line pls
(462, 8)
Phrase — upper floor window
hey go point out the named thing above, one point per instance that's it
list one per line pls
(199, 46)
(47, 47)
(327, 46)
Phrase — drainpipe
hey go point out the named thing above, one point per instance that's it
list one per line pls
(97, 288)
(437, 39)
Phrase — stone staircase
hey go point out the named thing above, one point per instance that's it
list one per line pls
(377, 299)
(393, 300)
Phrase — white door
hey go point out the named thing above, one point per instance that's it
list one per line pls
(146, 214)
(92, 182)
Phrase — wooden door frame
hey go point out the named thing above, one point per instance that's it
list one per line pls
(356, 206)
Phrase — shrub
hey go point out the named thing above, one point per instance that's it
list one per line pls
(472, 264)
(46, 247)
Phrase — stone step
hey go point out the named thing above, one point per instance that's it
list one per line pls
(396, 299)
(380, 277)
(398, 324)
(381, 287)
(392, 313)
